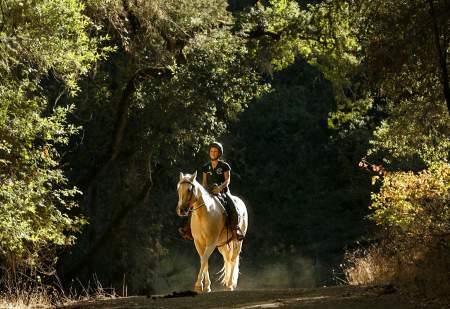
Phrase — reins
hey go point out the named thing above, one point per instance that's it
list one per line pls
(190, 210)
(190, 197)
(193, 209)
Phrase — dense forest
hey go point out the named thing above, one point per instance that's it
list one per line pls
(334, 115)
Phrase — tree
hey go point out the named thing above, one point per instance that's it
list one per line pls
(403, 60)
(182, 71)
(405, 67)
(179, 74)
(38, 40)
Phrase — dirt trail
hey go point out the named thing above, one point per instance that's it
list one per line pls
(338, 297)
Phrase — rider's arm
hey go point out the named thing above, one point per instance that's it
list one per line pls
(226, 183)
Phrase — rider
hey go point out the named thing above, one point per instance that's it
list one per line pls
(216, 178)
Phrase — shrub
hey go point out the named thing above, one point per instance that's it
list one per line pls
(413, 211)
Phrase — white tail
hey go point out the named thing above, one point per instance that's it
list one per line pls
(236, 272)
(222, 275)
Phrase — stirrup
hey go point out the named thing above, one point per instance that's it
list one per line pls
(239, 235)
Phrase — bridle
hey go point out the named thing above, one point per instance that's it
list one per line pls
(191, 192)
(190, 209)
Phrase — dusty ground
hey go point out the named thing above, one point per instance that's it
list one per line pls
(338, 297)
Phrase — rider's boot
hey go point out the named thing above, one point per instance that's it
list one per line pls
(185, 232)
(238, 234)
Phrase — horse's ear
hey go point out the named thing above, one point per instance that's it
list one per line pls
(181, 176)
(193, 176)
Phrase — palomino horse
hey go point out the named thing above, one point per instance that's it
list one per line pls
(209, 230)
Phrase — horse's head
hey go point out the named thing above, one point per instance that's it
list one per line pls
(187, 193)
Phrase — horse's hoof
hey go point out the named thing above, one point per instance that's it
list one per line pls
(198, 289)
(230, 288)
(207, 290)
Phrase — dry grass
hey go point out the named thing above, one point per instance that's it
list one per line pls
(25, 293)
(25, 299)
(419, 269)
(369, 266)
(92, 291)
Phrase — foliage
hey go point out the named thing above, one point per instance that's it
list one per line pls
(400, 60)
(39, 36)
(272, 50)
(155, 31)
(155, 72)
(403, 62)
(417, 129)
(413, 212)
(401, 41)
(327, 35)
(193, 115)
(38, 39)
(415, 207)
(271, 78)
(181, 73)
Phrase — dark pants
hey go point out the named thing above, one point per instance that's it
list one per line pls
(230, 207)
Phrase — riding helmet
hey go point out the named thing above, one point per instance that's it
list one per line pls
(218, 146)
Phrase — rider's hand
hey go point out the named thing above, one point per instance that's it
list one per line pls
(216, 190)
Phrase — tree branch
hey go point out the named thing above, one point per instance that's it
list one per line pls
(122, 121)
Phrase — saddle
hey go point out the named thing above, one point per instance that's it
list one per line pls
(232, 216)
(223, 203)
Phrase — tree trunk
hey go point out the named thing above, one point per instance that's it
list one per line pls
(90, 180)
(121, 122)
(116, 222)
(442, 55)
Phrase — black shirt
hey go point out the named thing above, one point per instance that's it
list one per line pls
(215, 175)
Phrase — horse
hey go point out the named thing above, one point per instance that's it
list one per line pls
(209, 230)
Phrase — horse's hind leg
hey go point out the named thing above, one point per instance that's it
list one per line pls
(227, 255)
(234, 271)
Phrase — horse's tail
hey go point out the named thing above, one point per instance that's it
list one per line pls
(222, 274)
(236, 272)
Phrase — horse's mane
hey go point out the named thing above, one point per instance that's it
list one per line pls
(207, 197)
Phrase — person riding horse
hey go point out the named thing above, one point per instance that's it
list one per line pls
(210, 232)
(216, 179)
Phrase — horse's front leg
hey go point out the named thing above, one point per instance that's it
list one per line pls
(198, 286)
(204, 266)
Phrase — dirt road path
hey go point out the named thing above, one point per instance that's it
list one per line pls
(339, 297)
